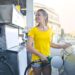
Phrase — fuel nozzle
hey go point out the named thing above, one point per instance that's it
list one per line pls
(49, 59)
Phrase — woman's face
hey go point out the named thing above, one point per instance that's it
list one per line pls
(39, 17)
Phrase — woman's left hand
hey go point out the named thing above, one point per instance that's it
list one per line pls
(66, 45)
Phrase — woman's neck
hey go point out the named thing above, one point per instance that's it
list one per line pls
(42, 26)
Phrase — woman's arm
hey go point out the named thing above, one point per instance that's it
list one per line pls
(60, 46)
(31, 49)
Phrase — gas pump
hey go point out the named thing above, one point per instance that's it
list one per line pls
(13, 56)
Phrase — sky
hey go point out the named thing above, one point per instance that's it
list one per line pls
(65, 10)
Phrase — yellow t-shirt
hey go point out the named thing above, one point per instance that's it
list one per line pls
(42, 40)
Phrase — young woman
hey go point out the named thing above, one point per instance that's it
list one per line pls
(40, 41)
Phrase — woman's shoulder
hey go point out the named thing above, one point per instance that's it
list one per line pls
(33, 29)
(50, 28)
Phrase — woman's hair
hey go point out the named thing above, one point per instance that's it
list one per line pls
(44, 14)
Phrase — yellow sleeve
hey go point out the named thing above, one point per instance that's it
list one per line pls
(31, 33)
